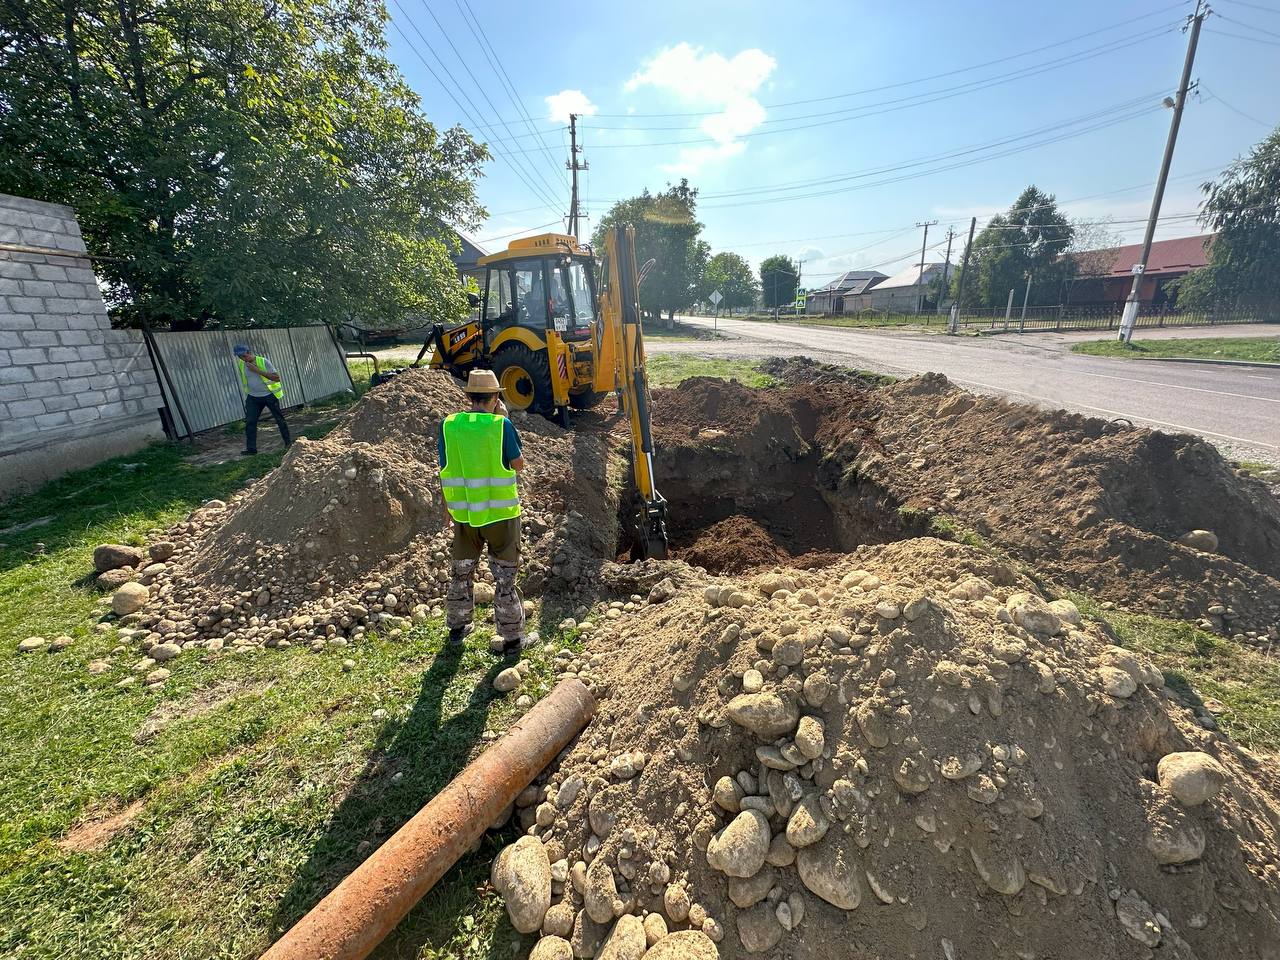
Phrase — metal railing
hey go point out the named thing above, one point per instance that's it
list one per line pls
(1065, 317)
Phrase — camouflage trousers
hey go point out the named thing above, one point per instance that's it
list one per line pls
(508, 609)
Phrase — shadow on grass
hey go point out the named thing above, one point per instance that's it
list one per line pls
(428, 753)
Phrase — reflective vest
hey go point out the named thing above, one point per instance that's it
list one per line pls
(275, 386)
(477, 488)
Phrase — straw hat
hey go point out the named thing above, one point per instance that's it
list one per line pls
(482, 381)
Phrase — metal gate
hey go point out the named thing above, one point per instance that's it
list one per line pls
(200, 379)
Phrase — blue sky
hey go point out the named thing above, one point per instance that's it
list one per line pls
(765, 106)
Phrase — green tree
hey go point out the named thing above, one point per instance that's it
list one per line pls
(234, 162)
(666, 232)
(779, 277)
(733, 277)
(1028, 241)
(1243, 208)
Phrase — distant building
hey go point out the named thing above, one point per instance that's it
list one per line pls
(901, 293)
(1105, 276)
(831, 297)
(467, 257)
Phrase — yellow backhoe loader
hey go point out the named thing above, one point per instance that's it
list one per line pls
(561, 329)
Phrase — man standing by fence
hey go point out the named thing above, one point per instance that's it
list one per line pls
(262, 388)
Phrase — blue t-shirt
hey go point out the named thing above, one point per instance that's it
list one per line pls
(510, 444)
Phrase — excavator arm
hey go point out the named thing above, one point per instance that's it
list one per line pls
(620, 351)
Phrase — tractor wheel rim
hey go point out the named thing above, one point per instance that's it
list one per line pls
(517, 388)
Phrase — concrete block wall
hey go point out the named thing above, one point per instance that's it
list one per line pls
(72, 390)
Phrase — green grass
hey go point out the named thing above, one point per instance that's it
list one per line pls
(1255, 349)
(1198, 664)
(669, 369)
(856, 320)
(267, 772)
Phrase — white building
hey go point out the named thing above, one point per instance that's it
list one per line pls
(901, 293)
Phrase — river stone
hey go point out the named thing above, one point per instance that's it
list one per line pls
(507, 680)
(759, 929)
(32, 644)
(747, 892)
(1001, 871)
(559, 920)
(626, 941)
(162, 550)
(1066, 611)
(1116, 682)
(587, 935)
(551, 948)
(1204, 540)
(522, 875)
(164, 651)
(810, 737)
(1191, 776)
(808, 824)
(1031, 613)
(739, 849)
(1171, 842)
(675, 901)
(655, 928)
(767, 715)
(111, 556)
(727, 794)
(601, 892)
(130, 598)
(684, 945)
(830, 871)
(1138, 919)
(115, 579)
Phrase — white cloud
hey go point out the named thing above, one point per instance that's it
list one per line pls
(560, 105)
(725, 85)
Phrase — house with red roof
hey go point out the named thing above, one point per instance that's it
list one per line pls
(1107, 275)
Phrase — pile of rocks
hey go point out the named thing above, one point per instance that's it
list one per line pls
(349, 535)
(911, 751)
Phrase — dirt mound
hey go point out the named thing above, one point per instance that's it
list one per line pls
(733, 545)
(908, 750)
(1096, 506)
(349, 532)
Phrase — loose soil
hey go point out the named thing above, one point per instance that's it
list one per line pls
(982, 783)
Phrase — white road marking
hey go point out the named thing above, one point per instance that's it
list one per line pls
(1175, 386)
(1116, 413)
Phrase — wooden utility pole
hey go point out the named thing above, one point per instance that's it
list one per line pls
(920, 279)
(946, 266)
(964, 273)
(573, 165)
(1130, 316)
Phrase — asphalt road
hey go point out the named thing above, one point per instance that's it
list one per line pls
(1238, 408)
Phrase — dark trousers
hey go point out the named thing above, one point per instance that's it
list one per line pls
(253, 407)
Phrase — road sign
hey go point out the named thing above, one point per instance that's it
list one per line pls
(715, 298)
(800, 298)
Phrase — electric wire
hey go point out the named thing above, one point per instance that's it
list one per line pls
(1234, 109)
(499, 148)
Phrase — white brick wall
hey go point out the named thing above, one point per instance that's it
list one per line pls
(65, 375)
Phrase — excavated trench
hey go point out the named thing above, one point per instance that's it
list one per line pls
(759, 485)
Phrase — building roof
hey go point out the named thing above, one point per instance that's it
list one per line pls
(468, 252)
(909, 277)
(850, 282)
(1178, 255)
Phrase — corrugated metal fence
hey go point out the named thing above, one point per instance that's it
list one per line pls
(201, 381)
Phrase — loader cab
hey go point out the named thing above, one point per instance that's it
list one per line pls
(554, 291)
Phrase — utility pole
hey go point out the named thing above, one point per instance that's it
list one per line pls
(946, 266)
(574, 166)
(954, 326)
(1130, 316)
(799, 271)
(1022, 321)
(920, 280)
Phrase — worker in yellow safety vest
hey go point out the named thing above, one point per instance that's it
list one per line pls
(479, 453)
(262, 390)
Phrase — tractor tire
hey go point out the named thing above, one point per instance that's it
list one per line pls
(525, 378)
(585, 400)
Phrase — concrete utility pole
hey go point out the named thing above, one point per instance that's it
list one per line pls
(946, 266)
(954, 326)
(574, 166)
(1130, 317)
(1022, 321)
(920, 279)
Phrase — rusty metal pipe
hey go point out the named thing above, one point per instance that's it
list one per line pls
(366, 906)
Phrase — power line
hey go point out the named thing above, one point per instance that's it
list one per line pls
(1255, 6)
(1080, 56)
(503, 154)
(505, 236)
(1235, 110)
(1248, 26)
(478, 85)
(1241, 36)
(1113, 48)
(486, 47)
(935, 76)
